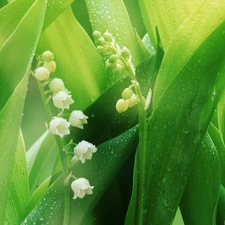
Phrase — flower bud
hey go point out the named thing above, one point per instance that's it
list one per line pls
(47, 56)
(132, 101)
(56, 85)
(109, 65)
(113, 58)
(119, 68)
(102, 49)
(125, 53)
(41, 73)
(122, 105)
(51, 66)
(107, 36)
(101, 41)
(97, 34)
(127, 93)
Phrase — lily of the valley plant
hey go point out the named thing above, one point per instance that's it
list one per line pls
(112, 112)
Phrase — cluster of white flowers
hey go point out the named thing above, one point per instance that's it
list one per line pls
(62, 99)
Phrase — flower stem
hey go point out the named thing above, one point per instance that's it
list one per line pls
(142, 147)
(65, 169)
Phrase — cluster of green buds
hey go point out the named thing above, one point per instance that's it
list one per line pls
(60, 126)
(117, 59)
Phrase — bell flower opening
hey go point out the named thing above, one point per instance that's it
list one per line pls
(77, 119)
(81, 187)
(83, 151)
(59, 126)
(62, 100)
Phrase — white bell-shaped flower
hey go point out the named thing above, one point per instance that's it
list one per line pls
(77, 119)
(83, 151)
(81, 187)
(62, 100)
(59, 126)
(41, 73)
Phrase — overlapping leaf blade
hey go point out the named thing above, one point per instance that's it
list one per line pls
(203, 187)
(167, 16)
(183, 107)
(13, 69)
(19, 189)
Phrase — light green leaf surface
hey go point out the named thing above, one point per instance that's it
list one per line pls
(23, 42)
(112, 15)
(11, 14)
(199, 201)
(10, 121)
(19, 189)
(43, 162)
(167, 16)
(186, 42)
(78, 61)
(13, 69)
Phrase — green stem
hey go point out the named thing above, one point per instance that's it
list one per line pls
(65, 169)
(142, 147)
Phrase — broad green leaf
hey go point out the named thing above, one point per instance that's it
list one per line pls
(221, 207)
(23, 42)
(43, 162)
(186, 42)
(78, 63)
(10, 17)
(37, 196)
(104, 165)
(203, 187)
(217, 141)
(11, 116)
(19, 189)
(112, 15)
(11, 14)
(182, 109)
(221, 116)
(167, 15)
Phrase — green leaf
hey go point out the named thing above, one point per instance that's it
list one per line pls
(23, 42)
(44, 160)
(168, 16)
(11, 116)
(203, 187)
(182, 109)
(221, 207)
(217, 141)
(212, 14)
(11, 15)
(112, 15)
(78, 63)
(19, 189)
(100, 171)
(13, 100)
